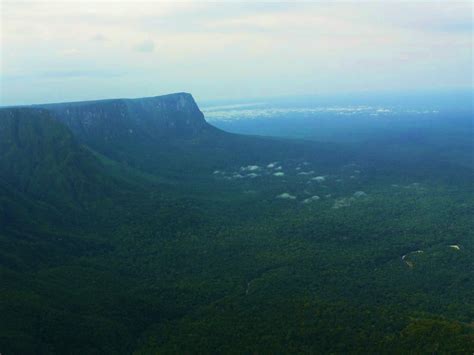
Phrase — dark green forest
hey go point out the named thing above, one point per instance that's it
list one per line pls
(127, 229)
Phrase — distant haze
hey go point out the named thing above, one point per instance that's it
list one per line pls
(77, 50)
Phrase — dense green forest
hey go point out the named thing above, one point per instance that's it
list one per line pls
(210, 242)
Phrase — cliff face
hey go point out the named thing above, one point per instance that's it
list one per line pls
(134, 130)
(161, 117)
(155, 134)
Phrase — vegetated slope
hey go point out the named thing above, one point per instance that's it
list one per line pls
(41, 158)
(140, 132)
(49, 187)
(55, 208)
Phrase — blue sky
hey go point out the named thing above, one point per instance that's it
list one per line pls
(76, 50)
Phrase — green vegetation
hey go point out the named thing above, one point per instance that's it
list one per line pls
(166, 255)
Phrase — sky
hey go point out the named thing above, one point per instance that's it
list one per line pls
(71, 50)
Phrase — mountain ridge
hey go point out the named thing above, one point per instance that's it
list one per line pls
(176, 114)
(138, 132)
(165, 134)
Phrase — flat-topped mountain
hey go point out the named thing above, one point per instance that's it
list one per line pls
(165, 134)
(139, 132)
(167, 116)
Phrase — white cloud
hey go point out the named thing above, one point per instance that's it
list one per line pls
(286, 196)
(279, 174)
(277, 112)
(319, 178)
(252, 175)
(311, 199)
(393, 45)
(250, 168)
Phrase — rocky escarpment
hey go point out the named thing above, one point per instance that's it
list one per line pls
(161, 117)
(134, 130)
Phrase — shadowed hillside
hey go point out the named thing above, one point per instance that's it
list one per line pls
(40, 157)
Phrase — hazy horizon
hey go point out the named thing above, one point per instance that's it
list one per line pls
(77, 50)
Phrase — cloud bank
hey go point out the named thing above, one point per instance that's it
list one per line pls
(216, 50)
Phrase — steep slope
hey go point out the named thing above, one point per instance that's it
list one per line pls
(39, 157)
(50, 186)
(138, 132)
(164, 117)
